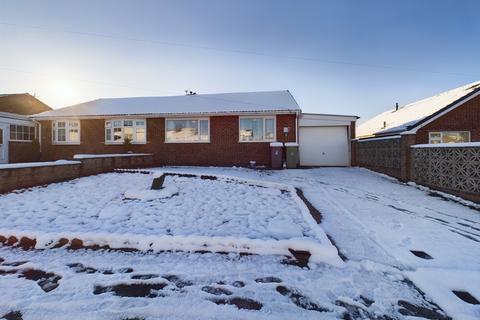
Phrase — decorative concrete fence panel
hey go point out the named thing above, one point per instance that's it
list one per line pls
(381, 155)
(454, 168)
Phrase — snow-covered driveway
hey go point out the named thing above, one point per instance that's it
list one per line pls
(375, 221)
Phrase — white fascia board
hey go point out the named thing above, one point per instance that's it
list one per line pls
(322, 123)
(415, 129)
(319, 116)
(16, 120)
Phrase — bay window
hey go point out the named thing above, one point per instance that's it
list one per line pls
(448, 137)
(66, 132)
(187, 130)
(119, 130)
(256, 129)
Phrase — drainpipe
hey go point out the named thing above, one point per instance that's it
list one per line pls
(296, 127)
(39, 133)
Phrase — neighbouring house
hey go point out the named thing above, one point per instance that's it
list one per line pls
(434, 142)
(197, 129)
(451, 116)
(18, 132)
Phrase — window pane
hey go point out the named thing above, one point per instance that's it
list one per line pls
(435, 135)
(117, 123)
(32, 133)
(455, 137)
(269, 129)
(61, 124)
(140, 134)
(13, 132)
(73, 135)
(128, 133)
(108, 134)
(61, 135)
(251, 129)
(140, 123)
(108, 124)
(26, 133)
(128, 123)
(117, 134)
(204, 130)
(1, 136)
(182, 130)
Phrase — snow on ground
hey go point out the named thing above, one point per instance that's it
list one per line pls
(201, 207)
(322, 292)
(374, 220)
(188, 214)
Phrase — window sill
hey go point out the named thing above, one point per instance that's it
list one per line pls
(121, 143)
(175, 142)
(66, 143)
(27, 141)
(258, 141)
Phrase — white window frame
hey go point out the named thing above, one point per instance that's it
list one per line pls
(198, 127)
(264, 128)
(67, 131)
(122, 132)
(21, 140)
(441, 133)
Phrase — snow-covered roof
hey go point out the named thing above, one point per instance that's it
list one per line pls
(243, 102)
(407, 117)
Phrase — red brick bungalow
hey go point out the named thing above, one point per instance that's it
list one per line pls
(383, 142)
(17, 131)
(204, 129)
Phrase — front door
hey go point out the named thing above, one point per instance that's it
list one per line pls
(3, 143)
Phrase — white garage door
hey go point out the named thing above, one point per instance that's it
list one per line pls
(324, 146)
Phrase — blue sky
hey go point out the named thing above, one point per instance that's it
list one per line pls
(341, 57)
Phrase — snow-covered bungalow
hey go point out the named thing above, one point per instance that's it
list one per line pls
(449, 119)
(197, 129)
(18, 132)
(451, 116)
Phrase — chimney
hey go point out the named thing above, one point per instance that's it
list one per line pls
(384, 124)
(396, 106)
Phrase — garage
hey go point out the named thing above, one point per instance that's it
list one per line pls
(324, 140)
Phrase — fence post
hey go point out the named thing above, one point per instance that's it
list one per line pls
(406, 156)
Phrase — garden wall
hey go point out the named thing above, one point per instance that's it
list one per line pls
(25, 175)
(381, 155)
(451, 168)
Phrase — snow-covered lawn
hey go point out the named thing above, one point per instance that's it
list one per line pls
(193, 207)
(374, 220)
(190, 213)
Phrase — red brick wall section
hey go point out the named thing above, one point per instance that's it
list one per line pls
(464, 118)
(18, 178)
(224, 149)
(22, 152)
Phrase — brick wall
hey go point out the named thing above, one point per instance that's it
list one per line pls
(22, 152)
(464, 118)
(223, 149)
(18, 178)
(451, 169)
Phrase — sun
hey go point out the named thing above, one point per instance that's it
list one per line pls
(63, 91)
